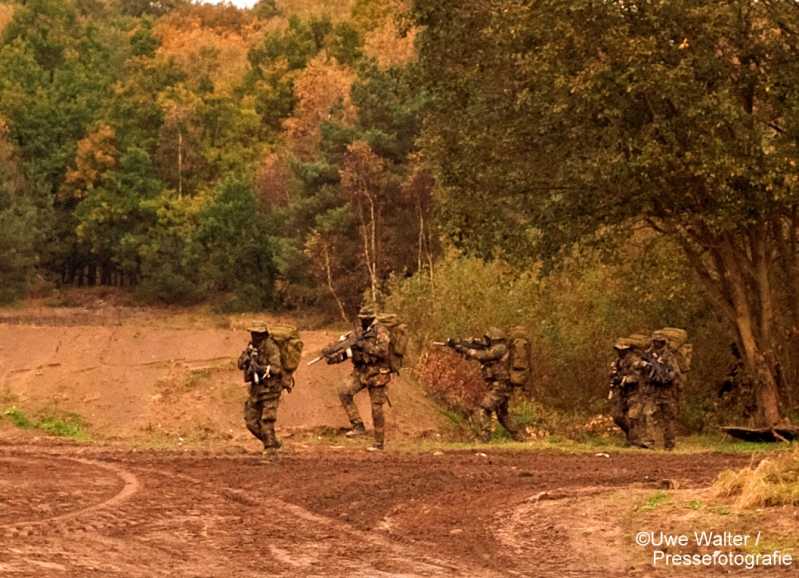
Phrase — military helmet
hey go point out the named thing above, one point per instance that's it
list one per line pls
(660, 336)
(622, 343)
(258, 327)
(494, 334)
(367, 312)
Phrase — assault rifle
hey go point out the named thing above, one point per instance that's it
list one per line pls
(467, 343)
(343, 349)
(252, 370)
(656, 371)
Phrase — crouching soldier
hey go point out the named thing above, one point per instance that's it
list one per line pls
(494, 357)
(262, 369)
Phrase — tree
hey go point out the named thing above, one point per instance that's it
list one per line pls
(18, 227)
(572, 118)
(361, 180)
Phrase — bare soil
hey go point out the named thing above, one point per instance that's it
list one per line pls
(78, 510)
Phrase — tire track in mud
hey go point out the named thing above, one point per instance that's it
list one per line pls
(199, 527)
(130, 486)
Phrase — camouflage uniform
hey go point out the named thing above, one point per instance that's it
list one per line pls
(662, 400)
(736, 395)
(495, 360)
(370, 370)
(627, 398)
(260, 409)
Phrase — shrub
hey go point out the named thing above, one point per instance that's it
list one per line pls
(573, 315)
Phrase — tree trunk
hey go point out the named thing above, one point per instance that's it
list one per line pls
(766, 390)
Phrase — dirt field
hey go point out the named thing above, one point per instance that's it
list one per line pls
(72, 510)
(172, 484)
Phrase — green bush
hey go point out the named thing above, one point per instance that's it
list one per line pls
(573, 315)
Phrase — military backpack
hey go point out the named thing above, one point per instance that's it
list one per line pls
(678, 342)
(521, 359)
(398, 340)
(288, 341)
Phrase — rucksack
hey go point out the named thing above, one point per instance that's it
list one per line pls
(288, 341)
(657, 372)
(678, 342)
(521, 358)
(398, 340)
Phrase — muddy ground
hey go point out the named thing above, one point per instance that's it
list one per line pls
(78, 510)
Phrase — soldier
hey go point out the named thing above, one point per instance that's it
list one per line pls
(627, 390)
(370, 361)
(262, 369)
(494, 358)
(663, 379)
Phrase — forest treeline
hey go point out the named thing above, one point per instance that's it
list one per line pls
(589, 169)
(195, 152)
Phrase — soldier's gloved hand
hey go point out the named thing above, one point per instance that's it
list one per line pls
(451, 343)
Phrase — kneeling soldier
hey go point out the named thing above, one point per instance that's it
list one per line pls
(494, 357)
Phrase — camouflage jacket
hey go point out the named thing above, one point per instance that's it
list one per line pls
(625, 371)
(372, 352)
(495, 360)
(668, 358)
(261, 365)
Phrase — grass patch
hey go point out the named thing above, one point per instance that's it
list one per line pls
(20, 419)
(654, 502)
(70, 427)
(773, 482)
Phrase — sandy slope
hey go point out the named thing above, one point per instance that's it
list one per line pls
(139, 379)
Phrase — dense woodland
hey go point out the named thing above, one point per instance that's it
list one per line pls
(589, 169)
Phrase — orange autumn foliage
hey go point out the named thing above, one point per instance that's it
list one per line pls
(319, 87)
(6, 14)
(96, 154)
(218, 54)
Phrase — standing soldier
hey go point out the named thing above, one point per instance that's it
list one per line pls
(627, 389)
(663, 379)
(371, 369)
(264, 372)
(495, 360)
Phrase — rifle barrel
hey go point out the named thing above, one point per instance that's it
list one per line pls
(315, 360)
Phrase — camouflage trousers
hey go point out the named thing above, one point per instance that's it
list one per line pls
(660, 414)
(378, 395)
(260, 414)
(636, 419)
(496, 400)
(619, 404)
(627, 408)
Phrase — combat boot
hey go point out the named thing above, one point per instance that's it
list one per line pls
(357, 430)
(270, 441)
(378, 445)
(269, 454)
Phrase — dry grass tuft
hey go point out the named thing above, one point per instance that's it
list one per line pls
(773, 482)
